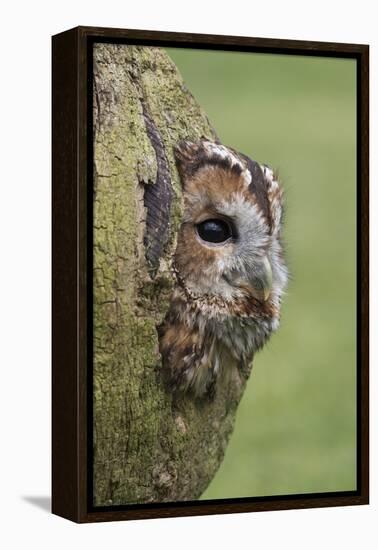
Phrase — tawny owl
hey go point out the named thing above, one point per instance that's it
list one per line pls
(229, 267)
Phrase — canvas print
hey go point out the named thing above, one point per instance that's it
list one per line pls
(223, 276)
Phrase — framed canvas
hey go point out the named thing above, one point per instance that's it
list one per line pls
(210, 213)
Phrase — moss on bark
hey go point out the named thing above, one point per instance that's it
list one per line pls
(148, 446)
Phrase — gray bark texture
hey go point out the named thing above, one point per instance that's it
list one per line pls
(149, 446)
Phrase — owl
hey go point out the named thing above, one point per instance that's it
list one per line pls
(229, 267)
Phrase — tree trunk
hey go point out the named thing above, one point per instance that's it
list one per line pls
(149, 446)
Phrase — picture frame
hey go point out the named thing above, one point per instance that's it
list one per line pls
(72, 297)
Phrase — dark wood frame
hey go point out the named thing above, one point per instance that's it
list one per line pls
(71, 297)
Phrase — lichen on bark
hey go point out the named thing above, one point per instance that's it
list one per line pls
(149, 446)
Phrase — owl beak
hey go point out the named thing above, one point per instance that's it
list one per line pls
(256, 281)
(268, 279)
(260, 280)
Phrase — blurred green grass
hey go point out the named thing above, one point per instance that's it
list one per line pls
(295, 430)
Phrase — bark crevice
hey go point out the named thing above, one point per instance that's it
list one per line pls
(157, 198)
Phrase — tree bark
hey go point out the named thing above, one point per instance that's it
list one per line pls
(149, 446)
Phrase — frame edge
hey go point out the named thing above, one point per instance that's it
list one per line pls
(64, 276)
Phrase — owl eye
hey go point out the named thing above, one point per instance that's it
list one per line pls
(214, 231)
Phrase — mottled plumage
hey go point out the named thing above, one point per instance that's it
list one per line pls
(229, 267)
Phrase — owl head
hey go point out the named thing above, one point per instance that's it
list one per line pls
(228, 251)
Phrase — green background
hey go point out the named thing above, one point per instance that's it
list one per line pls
(295, 430)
